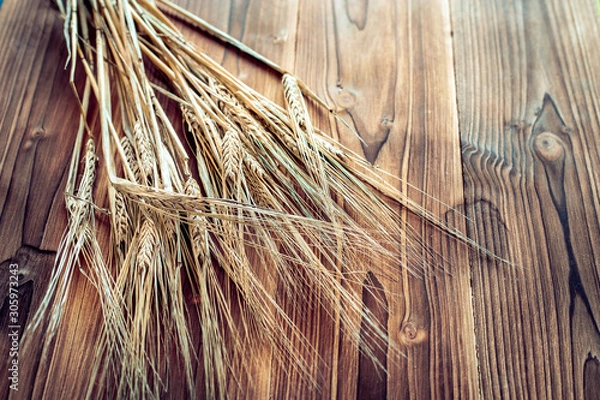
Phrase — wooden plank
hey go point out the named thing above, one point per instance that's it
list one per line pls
(529, 118)
(390, 73)
(36, 114)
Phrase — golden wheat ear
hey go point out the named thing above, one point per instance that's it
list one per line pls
(249, 209)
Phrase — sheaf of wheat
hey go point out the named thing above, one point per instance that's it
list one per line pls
(248, 196)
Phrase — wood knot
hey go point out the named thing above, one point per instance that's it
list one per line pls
(549, 146)
(35, 135)
(411, 335)
(386, 123)
(346, 99)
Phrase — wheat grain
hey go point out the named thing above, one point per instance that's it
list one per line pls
(198, 224)
(232, 154)
(295, 102)
(130, 158)
(330, 149)
(254, 166)
(147, 242)
(146, 155)
(121, 219)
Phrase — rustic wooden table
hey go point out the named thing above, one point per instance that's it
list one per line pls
(493, 107)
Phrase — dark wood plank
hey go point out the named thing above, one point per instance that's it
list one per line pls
(528, 90)
(37, 111)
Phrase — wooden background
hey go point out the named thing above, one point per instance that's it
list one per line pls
(493, 107)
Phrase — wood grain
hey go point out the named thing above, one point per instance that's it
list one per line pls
(528, 102)
(491, 107)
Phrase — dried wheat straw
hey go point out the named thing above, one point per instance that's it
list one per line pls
(252, 216)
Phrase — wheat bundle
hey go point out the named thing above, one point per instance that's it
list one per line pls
(247, 195)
